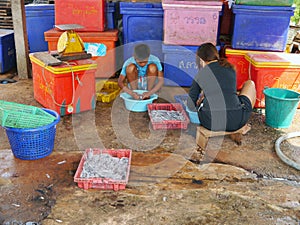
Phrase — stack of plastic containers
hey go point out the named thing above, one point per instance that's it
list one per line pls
(187, 24)
(142, 23)
(99, 34)
(261, 27)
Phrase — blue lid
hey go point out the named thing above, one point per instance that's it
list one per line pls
(140, 7)
(36, 7)
(262, 8)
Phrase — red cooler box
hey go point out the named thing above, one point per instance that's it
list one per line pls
(106, 40)
(274, 70)
(67, 88)
(237, 58)
(88, 13)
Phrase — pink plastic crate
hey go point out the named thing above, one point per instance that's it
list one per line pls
(191, 22)
(103, 183)
(168, 124)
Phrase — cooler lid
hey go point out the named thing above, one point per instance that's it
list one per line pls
(75, 65)
(109, 35)
(274, 60)
(39, 7)
(258, 9)
(140, 8)
(231, 51)
(4, 32)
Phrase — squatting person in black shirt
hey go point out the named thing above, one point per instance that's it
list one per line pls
(214, 94)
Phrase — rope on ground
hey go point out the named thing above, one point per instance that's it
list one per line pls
(283, 157)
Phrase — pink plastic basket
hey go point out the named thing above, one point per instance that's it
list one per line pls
(168, 124)
(103, 183)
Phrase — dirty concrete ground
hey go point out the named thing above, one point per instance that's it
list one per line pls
(172, 180)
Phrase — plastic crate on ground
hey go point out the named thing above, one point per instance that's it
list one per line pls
(103, 183)
(168, 124)
(107, 91)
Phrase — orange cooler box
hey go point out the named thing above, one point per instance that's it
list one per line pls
(237, 58)
(88, 13)
(67, 88)
(106, 62)
(274, 70)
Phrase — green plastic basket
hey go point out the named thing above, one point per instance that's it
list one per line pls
(23, 116)
(23, 108)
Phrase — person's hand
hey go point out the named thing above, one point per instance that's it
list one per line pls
(146, 95)
(200, 99)
(135, 96)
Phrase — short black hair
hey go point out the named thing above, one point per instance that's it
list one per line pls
(141, 51)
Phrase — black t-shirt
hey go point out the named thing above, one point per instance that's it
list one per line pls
(219, 86)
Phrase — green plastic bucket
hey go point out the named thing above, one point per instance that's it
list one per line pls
(280, 106)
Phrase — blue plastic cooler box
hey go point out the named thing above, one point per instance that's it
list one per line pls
(7, 50)
(39, 18)
(180, 65)
(142, 23)
(110, 15)
(261, 27)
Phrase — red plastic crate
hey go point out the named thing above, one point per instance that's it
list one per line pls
(88, 13)
(103, 183)
(168, 124)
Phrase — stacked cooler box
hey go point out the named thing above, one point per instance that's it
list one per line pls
(97, 18)
(260, 27)
(187, 24)
(142, 23)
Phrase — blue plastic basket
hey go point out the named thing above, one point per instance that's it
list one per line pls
(35, 143)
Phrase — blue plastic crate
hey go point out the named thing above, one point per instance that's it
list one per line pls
(39, 18)
(7, 50)
(261, 27)
(180, 65)
(142, 23)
